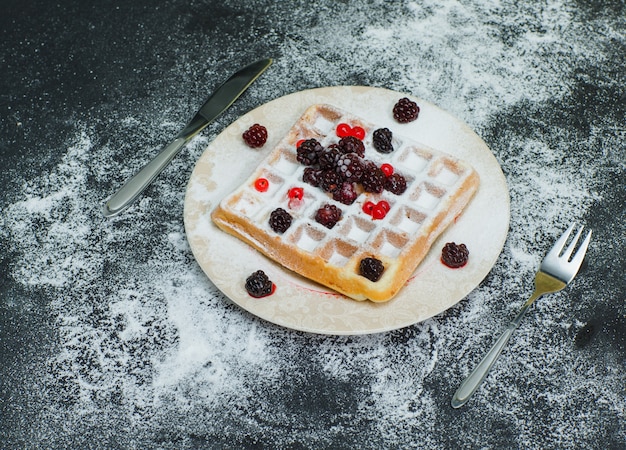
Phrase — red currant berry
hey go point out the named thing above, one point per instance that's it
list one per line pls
(300, 142)
(296, 193)
(387, 169)
(368, 207)
(378, 212)
(358, 133)
(261, 184)
(384, 205)
(343, 130)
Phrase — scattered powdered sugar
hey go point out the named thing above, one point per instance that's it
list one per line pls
(149, 352)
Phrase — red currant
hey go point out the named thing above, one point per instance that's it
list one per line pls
(358, 133)
(343, 130)
(300, 142)
(387, 169)
(384, 205)
(296, 193)
(368, 207)
(261, 184)
(378, 212)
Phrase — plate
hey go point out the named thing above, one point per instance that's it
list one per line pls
(306, 306)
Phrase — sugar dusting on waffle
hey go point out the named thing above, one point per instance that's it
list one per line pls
(438, 187)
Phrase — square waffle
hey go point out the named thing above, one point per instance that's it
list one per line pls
(439, 186)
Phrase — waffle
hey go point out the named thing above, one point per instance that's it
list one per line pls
(439, 186)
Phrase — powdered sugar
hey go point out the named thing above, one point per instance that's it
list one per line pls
(147, 352)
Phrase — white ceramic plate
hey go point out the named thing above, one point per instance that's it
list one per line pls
(303, 305)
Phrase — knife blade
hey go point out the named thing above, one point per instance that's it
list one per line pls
(221, 99)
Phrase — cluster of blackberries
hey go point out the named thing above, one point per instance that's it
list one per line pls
(338, 168)
(371, 268)
(255, 136)
(405, 110)
(280, 220)
(454, 255)
(259, 285)
(395, 183)
(382, 140)
(328, 215)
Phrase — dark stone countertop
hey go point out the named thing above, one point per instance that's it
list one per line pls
(112, 337)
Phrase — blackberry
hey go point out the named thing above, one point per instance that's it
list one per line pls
(395, 183)
(328, 158)
(373, 179)
(351, 144)
(312, 176)
(371, 268)
(405, 110)
(280, 220)
(309, 152)
(382, 140)
(259, 285)
(454, 256)
(328, 215)
(329, 180)
(255, 136)
(345, 193)
(349, 167)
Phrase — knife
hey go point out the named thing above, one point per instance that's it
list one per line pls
(218, 102)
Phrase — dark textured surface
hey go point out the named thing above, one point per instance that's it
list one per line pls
(112, 337)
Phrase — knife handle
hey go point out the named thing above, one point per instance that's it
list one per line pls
(142, 179)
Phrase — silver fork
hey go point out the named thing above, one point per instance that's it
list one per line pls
(555, 272)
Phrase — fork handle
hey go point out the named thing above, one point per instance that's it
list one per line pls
(471, 383)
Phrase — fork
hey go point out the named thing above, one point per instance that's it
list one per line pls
(556, 271)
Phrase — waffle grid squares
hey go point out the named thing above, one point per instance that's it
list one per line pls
(432, 177)
(428, 175)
